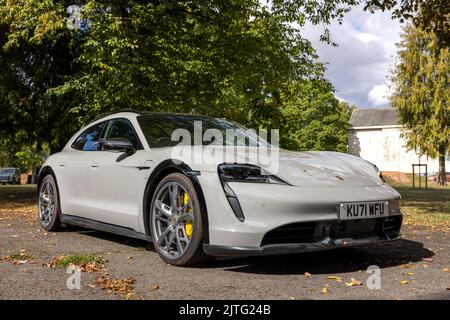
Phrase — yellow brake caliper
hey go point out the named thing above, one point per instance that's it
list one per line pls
(187, 225)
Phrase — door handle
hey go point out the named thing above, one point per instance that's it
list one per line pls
(95, 165)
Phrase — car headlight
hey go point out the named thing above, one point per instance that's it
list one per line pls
(394, 206)
(246, 173)
(242, 173)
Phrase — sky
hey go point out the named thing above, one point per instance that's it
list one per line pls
(359, 66)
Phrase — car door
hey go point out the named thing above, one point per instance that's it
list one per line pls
(114, 181)
(73, 172)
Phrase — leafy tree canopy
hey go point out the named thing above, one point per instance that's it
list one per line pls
(422, 93)
(238, 59)
(429, 15)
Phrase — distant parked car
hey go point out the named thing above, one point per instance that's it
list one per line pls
(434, 177)
(9, 175)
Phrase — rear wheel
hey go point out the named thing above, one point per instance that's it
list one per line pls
(49, 208)
(176, 221)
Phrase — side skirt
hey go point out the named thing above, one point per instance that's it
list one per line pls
(102, 226)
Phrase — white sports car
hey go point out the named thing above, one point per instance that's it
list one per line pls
(125, 174)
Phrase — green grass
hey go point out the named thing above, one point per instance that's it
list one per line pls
(78, 259)
(14, 194)
(18, 256)
(430, 207)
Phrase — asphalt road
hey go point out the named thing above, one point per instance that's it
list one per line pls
(281, 277)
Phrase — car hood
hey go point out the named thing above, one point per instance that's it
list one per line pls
(326, 169)
(315, 168)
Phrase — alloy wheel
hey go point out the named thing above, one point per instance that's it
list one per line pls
(172, 220)
(46, 203)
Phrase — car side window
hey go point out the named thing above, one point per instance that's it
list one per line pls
(122, 128)
(88, 140)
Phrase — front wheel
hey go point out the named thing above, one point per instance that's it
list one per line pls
(48, 204)
(176, 221)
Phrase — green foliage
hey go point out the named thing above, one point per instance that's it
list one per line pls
(78, 259)
(314, 119)
(233, 59)
(422, 93)
(17, 256)
(429, 15)
(30, 156)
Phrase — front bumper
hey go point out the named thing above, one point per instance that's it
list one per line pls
(268, 207)
(289, 248)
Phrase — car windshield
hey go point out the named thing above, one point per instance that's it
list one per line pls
(7, 170)
(161, 131)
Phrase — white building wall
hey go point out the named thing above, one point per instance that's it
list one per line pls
(385, 147)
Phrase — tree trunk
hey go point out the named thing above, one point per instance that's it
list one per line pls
(442, 175)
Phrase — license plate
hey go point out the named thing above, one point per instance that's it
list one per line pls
(363, 210)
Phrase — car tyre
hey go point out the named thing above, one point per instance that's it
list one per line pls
(175, 246)
(48, 204)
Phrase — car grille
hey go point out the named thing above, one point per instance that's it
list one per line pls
(308, 232)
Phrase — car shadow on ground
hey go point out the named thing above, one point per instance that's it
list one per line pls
(341, 260)
(132, 242)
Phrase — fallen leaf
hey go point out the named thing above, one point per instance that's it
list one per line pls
(404, 281)
(130, 257)
(155, 287)
(353, 282)
(446, 270)
(117, 286)
(427, 259)
(325, 289)
(92, 285)
(408, 266)
(336, 278)
(410, 274)
(307, 274)
(130, 296)
(19, 262)
(425, 265)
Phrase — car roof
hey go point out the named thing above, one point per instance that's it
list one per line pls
(139, 112)
(142, 113)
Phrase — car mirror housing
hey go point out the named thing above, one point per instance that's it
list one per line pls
(118, 145)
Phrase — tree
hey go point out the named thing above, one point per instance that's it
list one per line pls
(313, 119)
(422, 94)
(429, 15)
(234, 58)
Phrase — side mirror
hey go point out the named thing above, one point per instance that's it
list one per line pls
(118, 145)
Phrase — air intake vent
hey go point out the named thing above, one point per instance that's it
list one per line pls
(392, 226)
(291, 233)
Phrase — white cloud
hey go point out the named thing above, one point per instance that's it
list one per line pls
(359, 66)
(366, 37)
(378, 96)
